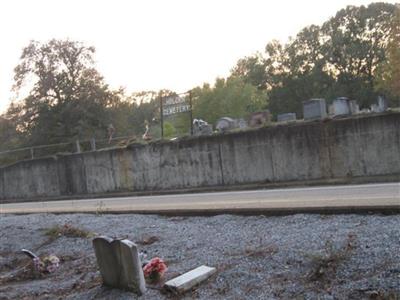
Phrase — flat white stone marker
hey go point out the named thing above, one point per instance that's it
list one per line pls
(188, 280)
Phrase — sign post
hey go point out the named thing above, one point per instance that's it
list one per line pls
(191, 112)
(162, 117)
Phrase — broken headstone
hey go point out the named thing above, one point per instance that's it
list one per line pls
(190, 279)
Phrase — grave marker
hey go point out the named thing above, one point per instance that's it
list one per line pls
(188, 280)
(287, 117)
(314, 109)
(119, 264)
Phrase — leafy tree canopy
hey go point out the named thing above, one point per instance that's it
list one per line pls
(68, 97)
(388, 81)
(231, 97)
(339, 58)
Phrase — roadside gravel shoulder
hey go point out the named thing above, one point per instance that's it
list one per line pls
(305, 255)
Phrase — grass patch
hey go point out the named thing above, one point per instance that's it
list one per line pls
(67, 230)
(261, 251)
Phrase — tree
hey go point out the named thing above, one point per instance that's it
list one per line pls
(228, 97)
(388, 81)
(68, 97)
(145, 108)
(339, 58)
(356, 40)
(9, 137)
(252, 70)
(295, 71)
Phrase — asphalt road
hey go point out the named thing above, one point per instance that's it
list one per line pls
(353, 197)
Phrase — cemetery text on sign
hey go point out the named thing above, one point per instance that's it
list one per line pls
(175, 104)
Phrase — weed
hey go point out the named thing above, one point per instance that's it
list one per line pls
(100, 209)
(67, 230)
(325, 265)
(148, 240)
(261, 251)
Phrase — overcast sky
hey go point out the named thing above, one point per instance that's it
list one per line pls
(155, 44)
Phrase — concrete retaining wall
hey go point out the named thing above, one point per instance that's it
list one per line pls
(362, 146)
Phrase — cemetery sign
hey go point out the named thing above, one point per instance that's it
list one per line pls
(175, 104)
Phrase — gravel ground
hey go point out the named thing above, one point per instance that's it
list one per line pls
(303, 256)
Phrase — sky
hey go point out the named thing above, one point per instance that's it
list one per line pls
(156, 44)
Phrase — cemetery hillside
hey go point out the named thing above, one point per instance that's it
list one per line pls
(278, 180)
(69, 99)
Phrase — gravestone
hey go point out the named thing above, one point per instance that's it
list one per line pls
(354, 107)
(241, 123)
(341, 106)
(375, 108)
(119, 264)
(286, 117)
(190, 279)
(314, 109)
(331, 110)
(201, 127)
(382, 104)
(225, 124)
(260, 118)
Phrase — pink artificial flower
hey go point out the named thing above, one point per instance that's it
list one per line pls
(156, 266)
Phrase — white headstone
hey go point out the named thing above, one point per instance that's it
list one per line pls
(119, 264)
(354, 107)
(341, 106)
(188, 280)
(382, 104)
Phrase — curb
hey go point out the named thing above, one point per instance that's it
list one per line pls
(394, 178)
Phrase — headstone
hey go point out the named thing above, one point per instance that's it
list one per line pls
(331, 110)
(341, 106)
(375, 108)
(241, 123)
(201, 127)
(225, 124)
(354, 107)
(365, 111)
(93, 144)
(382, 104)
(314, 109)
(287, 117)
(78, 146)
(119, 264)
(190, 279)
(260, 118)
